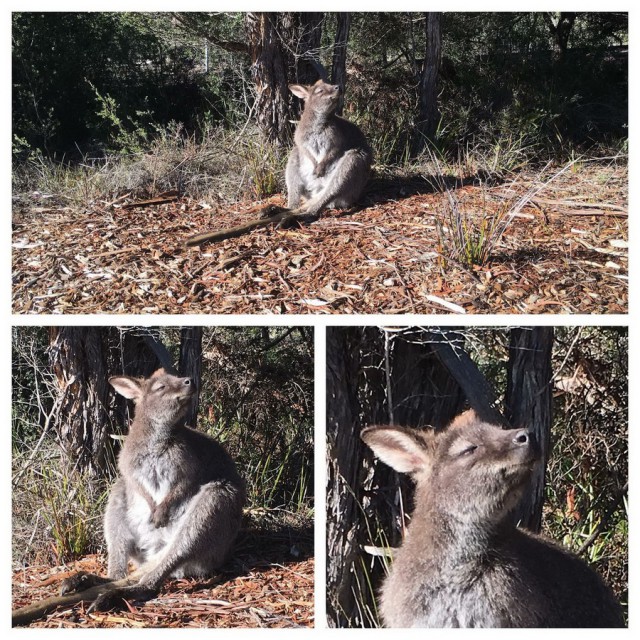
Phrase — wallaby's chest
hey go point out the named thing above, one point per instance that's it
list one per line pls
(439, 601)
(155, 471)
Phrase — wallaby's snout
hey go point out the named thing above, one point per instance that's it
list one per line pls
(522, 438)
(526, 444)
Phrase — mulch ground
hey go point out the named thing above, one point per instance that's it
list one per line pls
(269, 583)
(565, 253)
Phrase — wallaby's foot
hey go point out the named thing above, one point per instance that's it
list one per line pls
(115, 598)
(290, 221)
(80, 582)
(271, 210)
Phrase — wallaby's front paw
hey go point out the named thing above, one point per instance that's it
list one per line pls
(160, 516)
(80, 582)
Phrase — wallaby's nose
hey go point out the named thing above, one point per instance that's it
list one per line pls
(522, 437)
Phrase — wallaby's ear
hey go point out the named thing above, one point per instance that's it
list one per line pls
(126, 386)
(405, 450)
(299, 90)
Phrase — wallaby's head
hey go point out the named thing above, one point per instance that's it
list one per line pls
(471, 471)
(162, 399)
(321, 97)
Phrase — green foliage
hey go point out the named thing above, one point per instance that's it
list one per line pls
(137, 63)
(128, 136)
(72, 510)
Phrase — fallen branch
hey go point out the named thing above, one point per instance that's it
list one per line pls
(164, 198)
(283, 217)
(612, 209)
(36, 610)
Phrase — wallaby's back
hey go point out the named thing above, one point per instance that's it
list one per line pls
(463, 562)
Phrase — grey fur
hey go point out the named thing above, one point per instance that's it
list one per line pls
(330, 163)
(176, 508)
(463, 562)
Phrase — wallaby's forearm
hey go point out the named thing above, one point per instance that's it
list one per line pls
(178, 493)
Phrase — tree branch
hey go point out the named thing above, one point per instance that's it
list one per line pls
(475, 386)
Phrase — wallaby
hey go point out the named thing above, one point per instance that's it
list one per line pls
(463, 562)
(176, 508)
(328, 166)
(330, 162)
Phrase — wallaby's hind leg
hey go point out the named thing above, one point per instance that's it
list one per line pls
(200, 545)
(295, 188)
(81, 581)
(345, 184)
(120, 540)
(205, 536)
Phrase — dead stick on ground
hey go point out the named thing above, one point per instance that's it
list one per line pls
(280, 217)
(37, 610)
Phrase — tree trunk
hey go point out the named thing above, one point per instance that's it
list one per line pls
(307, 45)
(343, 470)
(269, 73)
(429, 114)
(560, 25)
(339, 65)
(191, 365)
(528, 405)
(81, 420)
(283, 48)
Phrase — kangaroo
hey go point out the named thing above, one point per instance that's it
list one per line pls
(176, 508)
(328, 166)
(463, 562)
(330, 162)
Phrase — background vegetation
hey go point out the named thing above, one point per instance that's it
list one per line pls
(108, 102)
(397, 375)
(256, 397)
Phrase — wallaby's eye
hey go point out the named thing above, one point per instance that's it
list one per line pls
(468, 450)
(462, 448)
(160, 387)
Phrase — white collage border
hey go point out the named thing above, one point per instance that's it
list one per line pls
(319, 322)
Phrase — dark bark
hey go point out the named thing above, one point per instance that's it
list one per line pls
(449, 347)
(343, 469)
(307, 45)
(284, 49)
(560, 26)
(528, 404)
(190, 365)
(429, 114)
(269, 73)
(81, 419)
(339, 64)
